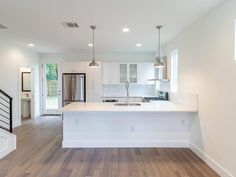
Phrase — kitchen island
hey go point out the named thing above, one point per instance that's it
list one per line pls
(155, 124)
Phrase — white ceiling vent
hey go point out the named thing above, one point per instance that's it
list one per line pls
(3, 27)
(70, 25)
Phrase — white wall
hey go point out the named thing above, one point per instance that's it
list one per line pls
(11, 59)
(207, 67)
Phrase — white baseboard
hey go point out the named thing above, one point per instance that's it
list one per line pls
(124, 144)
(8, 143)
(209, 161)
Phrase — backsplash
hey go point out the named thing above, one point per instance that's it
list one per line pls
(135, 90)
(165, 86)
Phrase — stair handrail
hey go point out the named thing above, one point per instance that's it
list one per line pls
(10, 111)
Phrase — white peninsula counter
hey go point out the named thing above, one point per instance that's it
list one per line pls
(155, 124)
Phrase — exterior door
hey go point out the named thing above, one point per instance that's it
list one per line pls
(52, 97)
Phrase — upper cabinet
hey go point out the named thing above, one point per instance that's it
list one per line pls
(73, 67)
(128, 72)
(133, 73)
(123, 73)
(118, 73)
(146, 71)
(110, 73)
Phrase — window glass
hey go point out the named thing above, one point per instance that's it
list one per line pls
(174, 70)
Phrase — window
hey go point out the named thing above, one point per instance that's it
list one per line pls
(235, 41)
(174, 70)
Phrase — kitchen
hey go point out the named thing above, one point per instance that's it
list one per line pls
(117, 88)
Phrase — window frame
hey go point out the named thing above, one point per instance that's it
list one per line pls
(174, 70)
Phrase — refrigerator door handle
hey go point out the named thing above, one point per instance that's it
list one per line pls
(81, 88)
(73, 85)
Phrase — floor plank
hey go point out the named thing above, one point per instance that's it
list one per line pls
(39, 154)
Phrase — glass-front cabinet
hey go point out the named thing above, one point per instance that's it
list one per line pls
(135, 73)
(123, 73)
(128, 72)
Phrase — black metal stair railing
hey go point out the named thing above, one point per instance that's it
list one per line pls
(5, 111)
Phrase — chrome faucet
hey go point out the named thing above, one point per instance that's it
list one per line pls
(127, 90)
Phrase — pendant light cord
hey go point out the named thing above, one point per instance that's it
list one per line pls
(93, 46)
(159, 42)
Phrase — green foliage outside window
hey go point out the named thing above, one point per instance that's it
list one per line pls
(51, 72)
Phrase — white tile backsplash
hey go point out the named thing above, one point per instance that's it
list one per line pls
(165, 86)
(135, 90)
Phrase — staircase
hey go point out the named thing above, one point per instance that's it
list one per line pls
(7, 138)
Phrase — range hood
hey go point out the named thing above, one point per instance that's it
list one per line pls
(161, 73)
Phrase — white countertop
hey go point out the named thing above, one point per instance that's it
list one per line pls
(157, 106)
(124, 96)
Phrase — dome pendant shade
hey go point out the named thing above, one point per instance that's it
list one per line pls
(93, 63)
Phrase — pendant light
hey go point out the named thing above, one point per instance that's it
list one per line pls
(93, 63)
(158, 60)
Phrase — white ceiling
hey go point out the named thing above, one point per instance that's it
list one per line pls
(39, 22)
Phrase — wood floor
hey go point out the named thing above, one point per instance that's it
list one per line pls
(39, 153)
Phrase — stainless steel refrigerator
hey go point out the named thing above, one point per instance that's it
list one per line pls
(73, 88)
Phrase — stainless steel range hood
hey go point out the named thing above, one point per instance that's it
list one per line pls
(161, 73)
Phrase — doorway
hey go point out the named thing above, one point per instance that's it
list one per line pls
(51, 88)
(29, 102)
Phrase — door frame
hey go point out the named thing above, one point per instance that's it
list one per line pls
(35, 107)
(44, 111)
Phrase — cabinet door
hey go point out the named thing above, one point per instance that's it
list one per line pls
(133, 73)
(73, 67)
(110, 73)
(146, 71)
(80, 67)
(123, 73)
(69, 67)
(93, 83)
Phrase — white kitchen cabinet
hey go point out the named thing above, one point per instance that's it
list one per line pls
(93, 83)
(145, 72)
(135, 73)
(123, 73)
(73, 67)
(110, 73)
(128, 72)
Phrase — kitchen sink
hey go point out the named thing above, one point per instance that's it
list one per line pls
(127, 104)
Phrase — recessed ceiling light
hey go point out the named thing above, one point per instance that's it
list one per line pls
(90, 45)
(31, 45)
(138, 45)
(126, 30)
